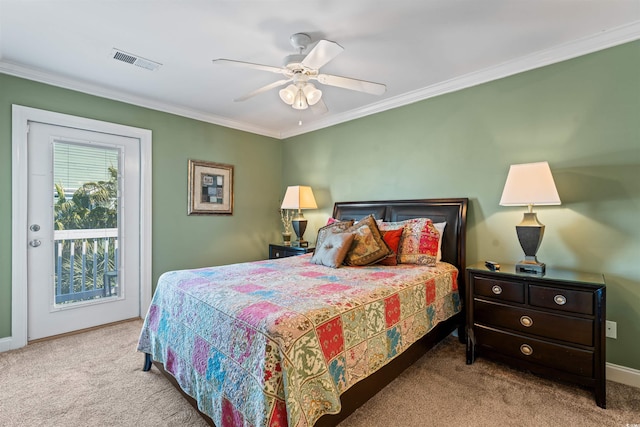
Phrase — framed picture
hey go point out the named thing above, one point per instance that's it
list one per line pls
(210, 188)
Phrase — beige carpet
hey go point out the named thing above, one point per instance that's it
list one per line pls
(95, 379)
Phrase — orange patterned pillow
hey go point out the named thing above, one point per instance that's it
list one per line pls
(420, 241)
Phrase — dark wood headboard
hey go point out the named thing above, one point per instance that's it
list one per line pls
(454, 212)
(451, 211)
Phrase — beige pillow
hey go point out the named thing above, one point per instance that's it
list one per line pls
(332, 249)
(335, 227)
(368, 246)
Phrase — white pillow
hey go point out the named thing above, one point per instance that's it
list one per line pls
(440, 227)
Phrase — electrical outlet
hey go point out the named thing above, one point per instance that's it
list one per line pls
(612, 329)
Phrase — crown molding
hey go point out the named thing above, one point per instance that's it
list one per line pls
(116, 95)
(593, 43)
(573, 49)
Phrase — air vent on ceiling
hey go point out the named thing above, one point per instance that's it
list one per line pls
(136, 60)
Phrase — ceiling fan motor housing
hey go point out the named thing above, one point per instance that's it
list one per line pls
(294, 61)
(300, 41)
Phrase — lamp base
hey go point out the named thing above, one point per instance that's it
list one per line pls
(530, 267)
(530, 232)
(299, 224)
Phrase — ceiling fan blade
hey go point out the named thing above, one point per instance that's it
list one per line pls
(263, 89)
(323, 52)
(352, 84)
(222, 61)
(319, 107)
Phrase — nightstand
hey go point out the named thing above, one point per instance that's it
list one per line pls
(281, 251)
(552, 325)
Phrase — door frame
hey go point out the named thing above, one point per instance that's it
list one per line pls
(21, 115)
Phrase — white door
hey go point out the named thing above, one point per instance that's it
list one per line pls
(83, 257)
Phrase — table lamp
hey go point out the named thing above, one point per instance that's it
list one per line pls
(530, 184)
(299, 197)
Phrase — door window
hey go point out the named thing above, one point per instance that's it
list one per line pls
(85, 201)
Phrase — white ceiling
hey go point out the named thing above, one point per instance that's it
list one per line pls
(418, 48)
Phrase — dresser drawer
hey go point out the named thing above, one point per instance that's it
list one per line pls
(499, 289)
(568, 359)
(280, 253)
(561, 299)
(548, 325)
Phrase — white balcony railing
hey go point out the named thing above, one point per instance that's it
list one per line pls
(86, 264)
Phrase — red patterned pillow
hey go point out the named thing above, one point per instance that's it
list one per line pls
(392, 239)
(420, 241)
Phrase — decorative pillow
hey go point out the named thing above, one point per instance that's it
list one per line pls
(368, 246)
(335, 227)
(440, 227)
(419, 244)
(392, 239)
(331, 221)
(333, 249)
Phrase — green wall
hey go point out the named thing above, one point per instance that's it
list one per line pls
(179, 240)
(582, 116)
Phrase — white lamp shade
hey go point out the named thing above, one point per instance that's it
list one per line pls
(299, 197)
(312, 93)
(530, 184)
(288, 94)
(300, 101)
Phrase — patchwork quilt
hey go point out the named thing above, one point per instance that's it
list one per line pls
(275, 343)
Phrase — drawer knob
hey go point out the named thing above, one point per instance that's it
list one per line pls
(496, 289)
(277, 254)
(560, 299)
(526, 321)
(526, 349)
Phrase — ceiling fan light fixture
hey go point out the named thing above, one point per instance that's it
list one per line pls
(288, 94)
(300, 101)
(312, 94)
(301, 67)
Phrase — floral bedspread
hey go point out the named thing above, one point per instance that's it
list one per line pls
(275, 343)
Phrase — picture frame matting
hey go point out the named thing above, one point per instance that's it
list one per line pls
(210, 189)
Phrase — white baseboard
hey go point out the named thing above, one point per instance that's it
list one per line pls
(623, 375)
(6, 344)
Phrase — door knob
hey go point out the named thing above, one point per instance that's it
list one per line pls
(35, 243)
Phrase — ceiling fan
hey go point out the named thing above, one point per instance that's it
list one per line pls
(300, 68)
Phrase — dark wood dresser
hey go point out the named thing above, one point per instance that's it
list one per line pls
(552, 325)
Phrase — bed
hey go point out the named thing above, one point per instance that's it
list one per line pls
(288, 342)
